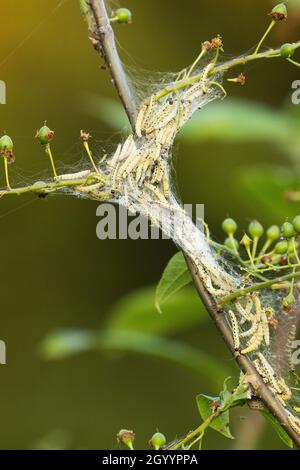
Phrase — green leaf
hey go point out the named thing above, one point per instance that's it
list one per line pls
(278, 428)
(236, 120)
(240, 395)
(137, 312)
(66, 343)
(225, 394)
(237, 397)
(175, 276)
(63, 343)
(272, 182)
(219, 424)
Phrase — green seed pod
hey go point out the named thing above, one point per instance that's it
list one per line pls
(229, 226)
(126, 437)
(287, 50)
(232, 244)
(273, 233)
(246, 241)
(123, 15)
(158, 440)
(255, 229)
(279, 12)
(44, 135)
(287, 230)
(6, 144)
(281, 248)
(296, 223)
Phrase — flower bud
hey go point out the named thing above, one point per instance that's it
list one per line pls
(246, 241)
(126, 437)
(217, 43)
(123, 15)
(206, 45)
(296, 223)
(158, 440)
(44, 135)
(287, 230)
(279, 12)
(287, 50)
(273, 233)
(229, 226)
(281, 248)
(255, 229)
(6, 148)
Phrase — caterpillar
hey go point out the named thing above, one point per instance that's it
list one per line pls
(74, 176)
(270, 373)
(235, 330)
(286, 391)
(289, 347)
(260, 370)
(245, 312)
(255, 341)
(294, 423)
(251, 331)
(265, 324)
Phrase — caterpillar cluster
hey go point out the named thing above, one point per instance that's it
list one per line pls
(252, 325)
(137, 175)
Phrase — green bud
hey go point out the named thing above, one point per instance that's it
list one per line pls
(126, 437)
(296, 223)
(287, 230)
(229, 226)
(123, 15)
(232, 244)
(279, 12)
(6, 144)
(281, 248)
(44, 135)
(246, 241)
(6, 149)
(255, 229)
(287, 50)
(158, 440)
(273, 233)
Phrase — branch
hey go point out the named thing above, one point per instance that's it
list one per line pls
(225, 67)
(110, 55)
(256, 287)
(108, 51)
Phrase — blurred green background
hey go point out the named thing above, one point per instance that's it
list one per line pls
(56, 274)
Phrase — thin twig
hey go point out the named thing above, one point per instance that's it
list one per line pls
(257, 287)
(112, 60)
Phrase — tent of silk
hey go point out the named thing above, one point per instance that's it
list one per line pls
(138, 176)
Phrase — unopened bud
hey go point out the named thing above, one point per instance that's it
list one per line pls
(126, 437)
(279, 12)
(44, 135)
